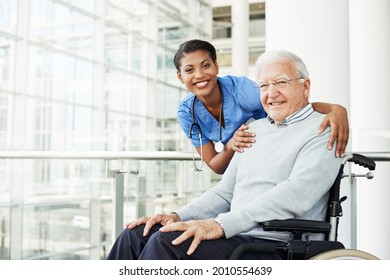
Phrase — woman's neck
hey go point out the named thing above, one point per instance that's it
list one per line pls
(213, 104)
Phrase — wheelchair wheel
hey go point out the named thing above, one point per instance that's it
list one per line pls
(344, 254)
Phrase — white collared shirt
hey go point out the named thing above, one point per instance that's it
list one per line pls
(295, 117)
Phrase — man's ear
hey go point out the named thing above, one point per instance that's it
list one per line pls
(179, 76)
(306, 88)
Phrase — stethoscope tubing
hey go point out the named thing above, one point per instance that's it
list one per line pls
(194, 124)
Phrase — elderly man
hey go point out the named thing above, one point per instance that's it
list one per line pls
(286, 174)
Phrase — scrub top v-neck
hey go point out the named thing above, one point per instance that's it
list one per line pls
(241, 102)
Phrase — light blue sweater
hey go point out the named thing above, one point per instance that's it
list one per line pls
(286, 174)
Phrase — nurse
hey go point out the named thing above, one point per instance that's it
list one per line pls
(216, 110)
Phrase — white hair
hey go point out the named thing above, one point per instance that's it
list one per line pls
(278, 55)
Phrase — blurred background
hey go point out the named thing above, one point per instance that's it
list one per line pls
(89, 137)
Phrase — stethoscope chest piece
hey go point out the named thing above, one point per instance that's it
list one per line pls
(219, 147)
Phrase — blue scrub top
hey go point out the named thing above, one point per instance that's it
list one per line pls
(241, 101)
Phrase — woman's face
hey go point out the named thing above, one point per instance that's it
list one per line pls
(198, 73)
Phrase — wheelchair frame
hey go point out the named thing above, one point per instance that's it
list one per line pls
(302, 249)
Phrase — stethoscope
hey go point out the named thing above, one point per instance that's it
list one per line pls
(219, 146)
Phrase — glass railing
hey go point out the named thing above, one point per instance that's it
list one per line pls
(72, 205)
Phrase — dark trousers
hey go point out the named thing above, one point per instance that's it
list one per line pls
(131, 245)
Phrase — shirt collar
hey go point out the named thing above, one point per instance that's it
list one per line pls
(295, 117)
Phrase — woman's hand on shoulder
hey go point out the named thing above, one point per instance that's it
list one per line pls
(337, 119)
(242, 139)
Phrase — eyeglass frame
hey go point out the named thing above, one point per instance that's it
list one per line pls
(283, 83)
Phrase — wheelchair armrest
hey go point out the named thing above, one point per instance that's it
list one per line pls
(297, 225)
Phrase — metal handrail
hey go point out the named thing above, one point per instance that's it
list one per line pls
(108, 155)
(377, 156)
(145, 155)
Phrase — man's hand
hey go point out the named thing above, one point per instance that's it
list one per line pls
(199, 230)
(337, 119)
(163, 219)
(242, 139)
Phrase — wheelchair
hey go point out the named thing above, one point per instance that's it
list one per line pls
(301, 248)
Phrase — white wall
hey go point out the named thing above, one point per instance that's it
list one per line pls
(370, 116)
(345, 45)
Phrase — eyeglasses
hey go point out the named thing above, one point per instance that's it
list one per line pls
(281, 83)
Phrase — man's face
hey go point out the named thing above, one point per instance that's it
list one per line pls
(286, 94)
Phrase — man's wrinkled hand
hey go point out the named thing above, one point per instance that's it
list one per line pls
(163, 219)
(199, 230)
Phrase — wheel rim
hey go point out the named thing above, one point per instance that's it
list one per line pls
(344, 254)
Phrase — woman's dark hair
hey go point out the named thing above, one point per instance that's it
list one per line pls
(192, 46)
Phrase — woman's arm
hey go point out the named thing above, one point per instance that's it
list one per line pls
(218, 162)
(337, 119)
